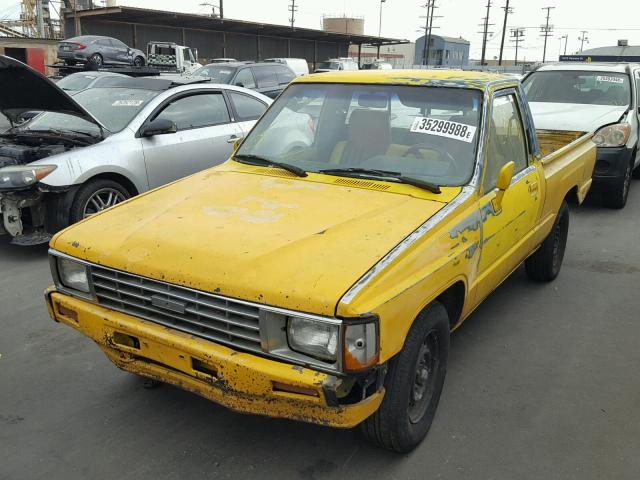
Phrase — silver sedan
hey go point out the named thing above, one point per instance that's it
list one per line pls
(106, 144)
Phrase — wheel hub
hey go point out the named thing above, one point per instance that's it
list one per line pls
(102, 199)
(424, 379)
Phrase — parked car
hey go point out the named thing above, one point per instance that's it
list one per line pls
(83, 80)
(99, 51)
(592, 96)
(266, 78)
(334, 64)
(377, 66)
(299, 66)
(106, 144)
(321, 283)
(223, 60)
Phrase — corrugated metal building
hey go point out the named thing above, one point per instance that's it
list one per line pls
(443, 51)
(214, 37)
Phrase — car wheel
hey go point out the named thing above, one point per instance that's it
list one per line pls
(413, 384)
(96, 196)
(138, 62)
(544, 265)
(617, 197)
(96, 59)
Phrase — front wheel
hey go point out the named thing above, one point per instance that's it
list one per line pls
(617, 196)
(138, 62)
(544, 265)
(413, 384)
(95, 196)
(96, 59)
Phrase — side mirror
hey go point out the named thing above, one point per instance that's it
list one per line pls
(239, 84)
(159, 126)
(504, 180)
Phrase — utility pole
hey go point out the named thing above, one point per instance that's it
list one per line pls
(485, 33)
(428, 35)
(380, 28)
(40, 18)
(566, 40)
(293, 9)
(546, 32)
(507, 11)
(517, 36)
(583, 39)
(221, 9)
(425, 60)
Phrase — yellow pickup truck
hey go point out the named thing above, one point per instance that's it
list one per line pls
(317, 274)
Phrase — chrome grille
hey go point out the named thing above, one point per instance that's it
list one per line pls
(217, 319)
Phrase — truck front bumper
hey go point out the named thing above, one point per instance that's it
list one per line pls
(611, 166)
(242, 382)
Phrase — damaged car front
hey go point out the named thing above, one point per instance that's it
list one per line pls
(31, 151)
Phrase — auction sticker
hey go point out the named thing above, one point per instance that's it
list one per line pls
(444, 128)
(127, 103)
(608, 79)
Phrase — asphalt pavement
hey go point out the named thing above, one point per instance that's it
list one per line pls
(543, 383)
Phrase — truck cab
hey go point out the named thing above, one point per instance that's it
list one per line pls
(170, 57)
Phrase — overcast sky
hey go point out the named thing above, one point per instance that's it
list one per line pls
(606, 22)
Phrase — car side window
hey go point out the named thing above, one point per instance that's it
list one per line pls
(247, 108)
(285, 74)
(117, 43)
(196, 111)
(104, 42)
(265, 76)
(244, 78)
(507, 140)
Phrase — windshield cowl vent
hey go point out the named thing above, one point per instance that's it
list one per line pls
(350, 182)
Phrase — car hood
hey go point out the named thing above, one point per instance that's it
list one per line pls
(574, 117)
(289, 242)
(22, 89)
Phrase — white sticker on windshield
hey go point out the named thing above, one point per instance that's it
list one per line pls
(127, 103)
(608, 79)
(444, 128)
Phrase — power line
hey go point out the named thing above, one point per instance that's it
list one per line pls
(507, 11)
(547, 31)
(517, 36)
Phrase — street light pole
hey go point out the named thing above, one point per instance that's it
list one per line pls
(380, 27)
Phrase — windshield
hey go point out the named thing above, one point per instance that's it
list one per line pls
(113, 107)
(573, 86)
(329, 65)
(424, 133)
(75, 82)
(217, 73)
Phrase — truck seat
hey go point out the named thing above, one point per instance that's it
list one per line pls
(369, 134)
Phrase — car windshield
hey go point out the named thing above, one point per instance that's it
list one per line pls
(425, 133)
(329, 65)
(75, 82)
(113, 107)
(217, 73)
(583, 87)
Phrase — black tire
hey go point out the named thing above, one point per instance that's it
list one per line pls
(544, 265)
(70, 62)
(96, 59)
(91, 189)
(617, 196)
(400, 424)
(138, 62)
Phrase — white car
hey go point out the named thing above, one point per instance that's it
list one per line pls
(592, 97)
(103, 145)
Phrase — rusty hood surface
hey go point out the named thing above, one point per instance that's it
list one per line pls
(288, 242)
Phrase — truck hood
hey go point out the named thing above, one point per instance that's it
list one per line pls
(22, 89)
(574, 117)
(288, 242)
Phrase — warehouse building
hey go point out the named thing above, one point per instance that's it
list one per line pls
(623, 52)
(216, 37)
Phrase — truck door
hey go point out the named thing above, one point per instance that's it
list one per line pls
(505, 231)
(202, 140)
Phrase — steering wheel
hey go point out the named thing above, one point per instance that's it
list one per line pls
(415, 150)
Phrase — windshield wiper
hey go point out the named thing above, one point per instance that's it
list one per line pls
(265, 162)
(371, 172)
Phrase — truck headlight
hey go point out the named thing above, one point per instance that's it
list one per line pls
(73, 274)
(314, 338)
(23, 176)
(360, 345)
(613, 135)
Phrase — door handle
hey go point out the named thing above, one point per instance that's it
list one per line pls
(233, 139)
(533, 188)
